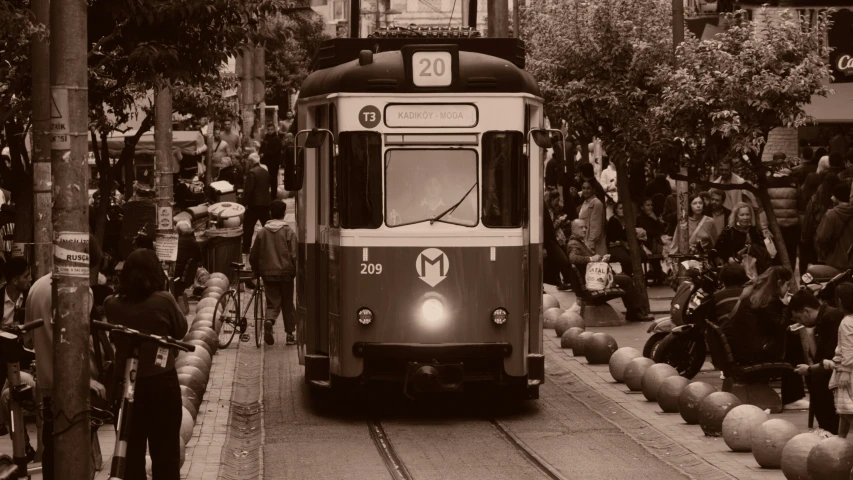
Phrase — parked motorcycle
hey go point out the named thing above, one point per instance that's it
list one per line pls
(662, 327)
(684, 347)
(821, 280)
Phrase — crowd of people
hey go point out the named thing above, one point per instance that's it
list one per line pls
(759, 305)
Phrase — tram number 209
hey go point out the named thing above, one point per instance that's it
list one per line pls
(371, 268)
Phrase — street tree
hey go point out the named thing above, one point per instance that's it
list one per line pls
(728, 93)
(288, 58)
(595, 62)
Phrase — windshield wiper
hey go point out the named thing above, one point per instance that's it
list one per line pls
(455, 205)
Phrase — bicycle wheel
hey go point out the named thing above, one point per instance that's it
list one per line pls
(260, 310)
(226, 318)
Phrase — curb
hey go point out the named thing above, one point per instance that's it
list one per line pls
(653, 440)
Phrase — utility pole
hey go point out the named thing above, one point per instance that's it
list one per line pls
(164, 160)
(355, 18)
(377, 16)
(42, 204)
(498, 21)
(208, 158)
(69, 151)
(247, 83)
(516, 22)
(680, 185)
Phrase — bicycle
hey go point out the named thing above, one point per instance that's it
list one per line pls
(125, 412)
(20, 395)
(229, 307)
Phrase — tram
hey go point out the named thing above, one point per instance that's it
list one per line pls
(418, 168)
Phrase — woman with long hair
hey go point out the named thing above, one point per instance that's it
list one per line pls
(741, 237)
(757, 331)
(141, 303)
(700, 227)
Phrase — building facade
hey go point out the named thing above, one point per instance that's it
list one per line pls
(396, 12)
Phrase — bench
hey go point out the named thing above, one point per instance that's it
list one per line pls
(750, 383)
(595, 310)
(655, 257)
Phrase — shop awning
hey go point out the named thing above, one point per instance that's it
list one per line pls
(836, 108)
(188, 142)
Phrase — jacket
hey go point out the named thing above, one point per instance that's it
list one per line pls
(826, 334)
(256, 189)
(579, 254)
(756, 334)
(271, 150)
(274, 251)
(592, 211)
(835, 236)
(783, 199)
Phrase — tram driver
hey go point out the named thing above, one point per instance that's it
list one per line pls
(432, 204)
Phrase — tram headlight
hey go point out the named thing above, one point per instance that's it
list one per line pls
(500, 316)
(433, 310)
(365, 316)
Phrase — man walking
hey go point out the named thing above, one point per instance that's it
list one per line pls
(824, 319)
(256, 198)
(271, 154)
(273, 258)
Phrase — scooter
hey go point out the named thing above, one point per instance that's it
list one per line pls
(662, 327)
(684, 348)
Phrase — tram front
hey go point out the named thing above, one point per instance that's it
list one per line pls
(419, 220)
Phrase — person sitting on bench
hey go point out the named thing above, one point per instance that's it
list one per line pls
(580, 255)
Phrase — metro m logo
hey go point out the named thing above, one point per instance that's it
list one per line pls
(432, 266)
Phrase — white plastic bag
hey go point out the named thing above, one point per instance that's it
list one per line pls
(771, 247)
(598, 276)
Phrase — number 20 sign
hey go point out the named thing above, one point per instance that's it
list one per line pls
(431, 69)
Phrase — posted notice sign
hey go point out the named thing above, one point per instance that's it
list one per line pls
(431, 115)
(60, 138)
(166, 247)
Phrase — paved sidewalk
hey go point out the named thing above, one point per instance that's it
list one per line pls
(666, 435)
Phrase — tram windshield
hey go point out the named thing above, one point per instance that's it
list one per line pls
(420, 185)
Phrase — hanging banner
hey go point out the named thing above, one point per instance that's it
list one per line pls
(840, 38)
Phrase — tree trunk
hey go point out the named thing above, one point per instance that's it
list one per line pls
(773, 223)
(22, 184)
(624, 189)
(125, 160)
(105, 184)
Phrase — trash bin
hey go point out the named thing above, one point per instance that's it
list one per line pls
(220, 250)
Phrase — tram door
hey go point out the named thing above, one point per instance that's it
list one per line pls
(321, 289)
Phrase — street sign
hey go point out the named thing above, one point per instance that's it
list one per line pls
(369, 116)
(164, 218)
(60, 138)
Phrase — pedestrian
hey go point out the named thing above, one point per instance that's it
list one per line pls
(230, 136)
(824, 319)
(840, 383)
(273, 258)
(835, 232)
(555, 240)
(757, 331)
(141, 303)
(699, 226)
(221, 151)
(16, 272)
(819, 204)
(581, 255)
(782, 189)
(719, 214)
(271, 155)
(592, 213)
(256, 199)
(39, 306)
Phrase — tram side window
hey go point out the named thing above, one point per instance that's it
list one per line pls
(360, 180)
(504, 180)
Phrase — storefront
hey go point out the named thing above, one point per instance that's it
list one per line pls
(834, 113)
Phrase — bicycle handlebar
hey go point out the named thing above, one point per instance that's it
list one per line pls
(19, 329)
(145, 337)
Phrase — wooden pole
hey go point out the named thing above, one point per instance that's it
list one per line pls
(71, 275)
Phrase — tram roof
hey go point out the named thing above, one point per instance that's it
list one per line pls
(485, 65)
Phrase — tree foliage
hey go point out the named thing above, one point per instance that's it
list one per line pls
(727, 94)
(17, 28)
(289, 57)
(595, 62)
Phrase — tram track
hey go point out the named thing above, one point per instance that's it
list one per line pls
(400, 471)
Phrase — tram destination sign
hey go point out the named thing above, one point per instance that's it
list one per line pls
(431, 115)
